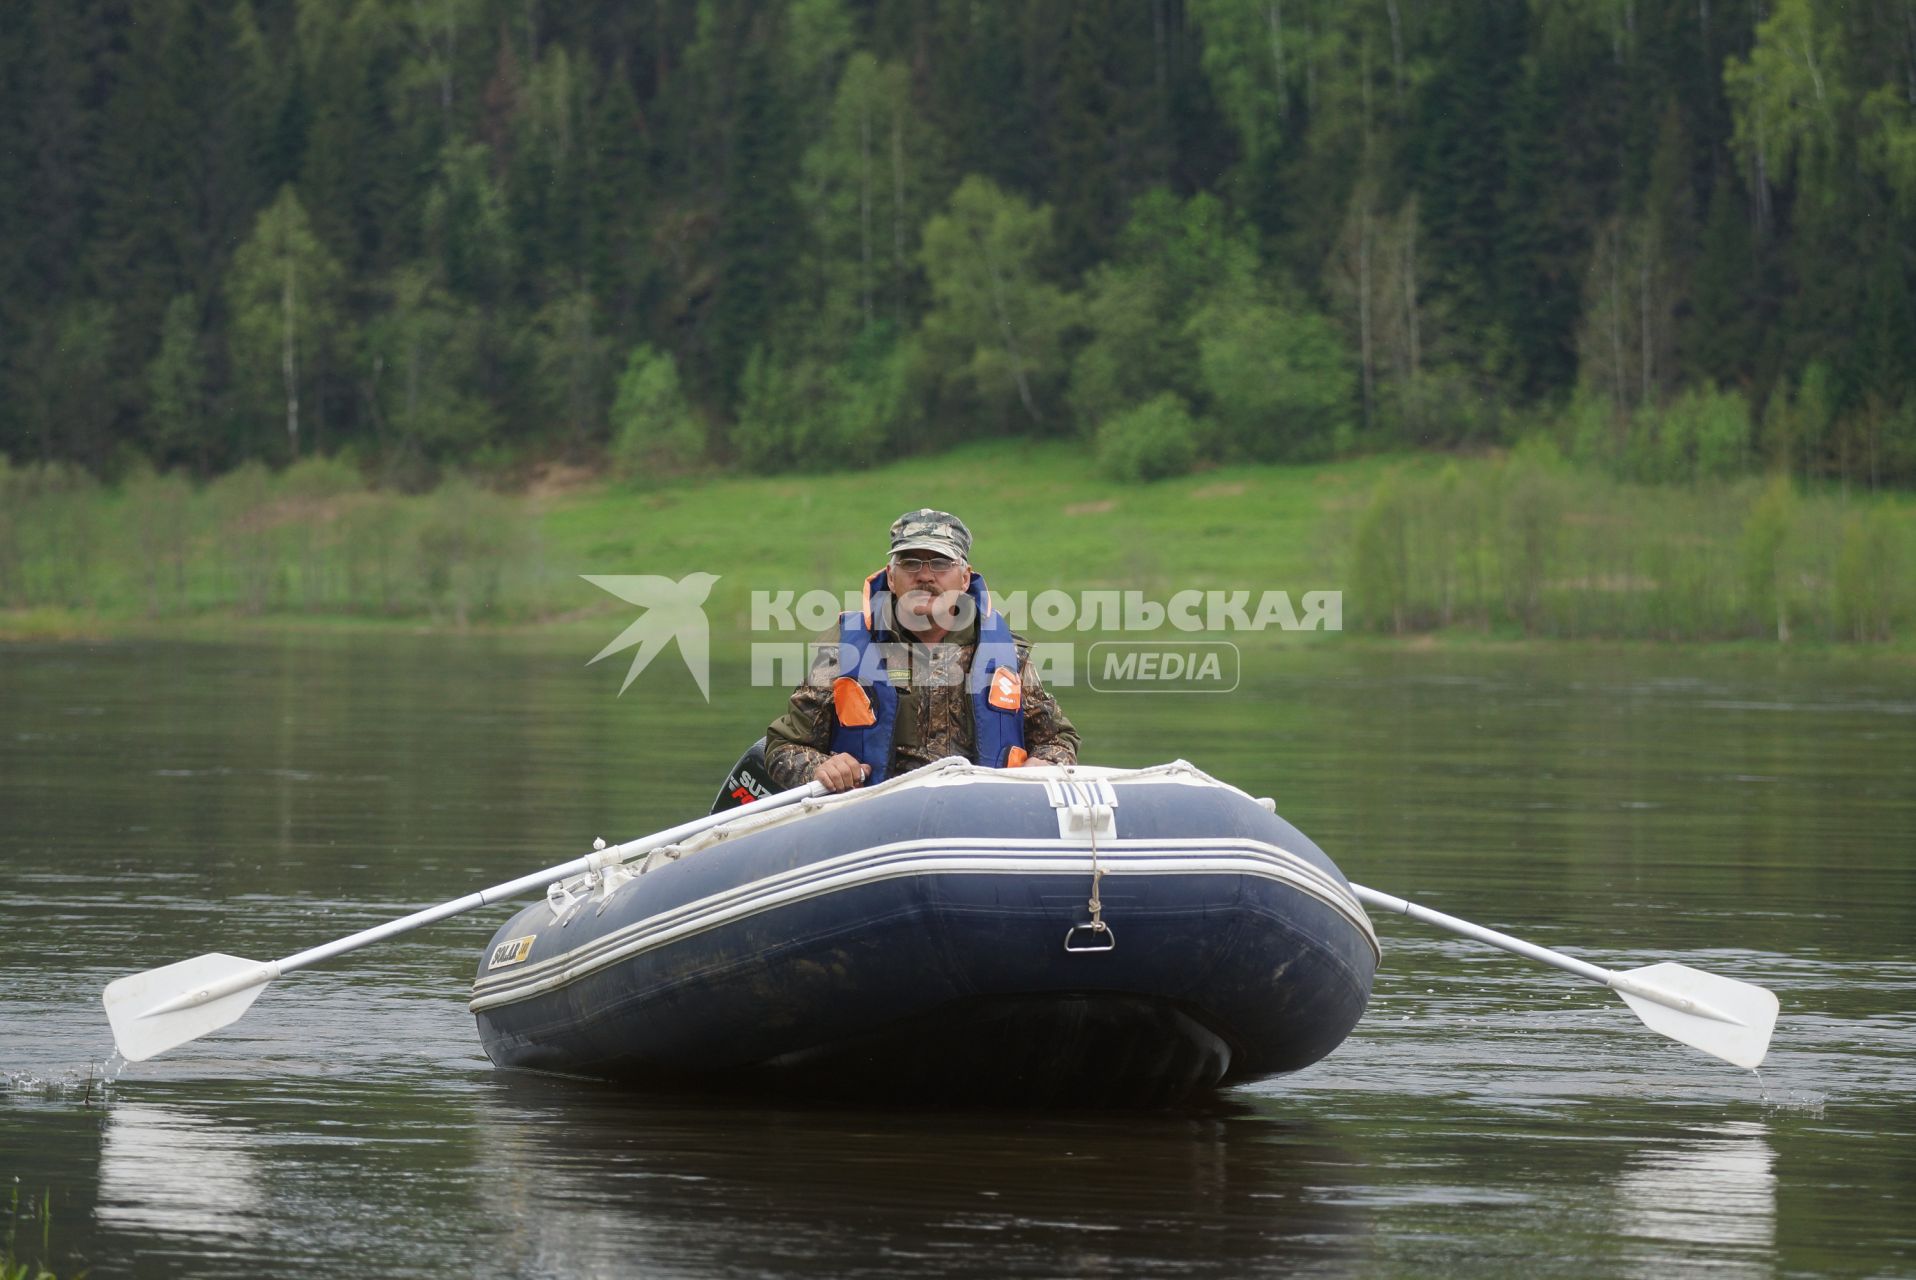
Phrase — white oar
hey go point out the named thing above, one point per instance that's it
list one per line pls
(152, 1012)
(1706, 1011)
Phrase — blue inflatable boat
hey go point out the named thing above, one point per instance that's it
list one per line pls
(1042, 935)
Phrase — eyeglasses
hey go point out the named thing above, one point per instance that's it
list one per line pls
(912, 564)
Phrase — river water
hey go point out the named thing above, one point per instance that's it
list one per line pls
(1749, 814)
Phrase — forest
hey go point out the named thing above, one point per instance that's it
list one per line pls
(686, 235)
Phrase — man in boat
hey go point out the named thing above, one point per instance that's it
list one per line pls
(927, 669)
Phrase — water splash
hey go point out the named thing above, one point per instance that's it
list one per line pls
(1809, 1102)
(89, 1086)
(110, 1072)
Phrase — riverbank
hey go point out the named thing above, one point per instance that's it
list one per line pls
(1516, 548)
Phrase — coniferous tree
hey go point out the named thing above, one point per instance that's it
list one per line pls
(424, 360)
(978, 90)
(1544, 240)
(178, 426)
(572, 357)
(618, 204)
(69, 57)
(176, 177)
(1723, 335)
(758, 219)
(64, 383)
(1084, 183)
(1461, 170)
(16, 41)
(354, 171)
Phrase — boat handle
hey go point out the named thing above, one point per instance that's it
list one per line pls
(1097, 937)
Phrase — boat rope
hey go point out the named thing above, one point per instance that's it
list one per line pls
(1095, 935)
(1097, 877)
(1087, 806)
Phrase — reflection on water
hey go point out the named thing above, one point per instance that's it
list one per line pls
(166, 1169)
(1713, 1193)
(591, 1183)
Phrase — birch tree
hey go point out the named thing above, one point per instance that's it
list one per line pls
(282, 292)
(1372, 277)
(863, 187)
(1788, 94)
(996, 325)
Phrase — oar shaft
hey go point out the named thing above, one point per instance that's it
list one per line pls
(539, 879)
(1721, 1016)
(1517, 946)
(154, 1011)
(406, 924)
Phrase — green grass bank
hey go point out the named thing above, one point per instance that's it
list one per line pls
(1509, 546)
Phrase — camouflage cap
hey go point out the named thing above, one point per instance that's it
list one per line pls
(928, 530)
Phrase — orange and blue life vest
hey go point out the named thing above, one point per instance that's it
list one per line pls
(865, 704)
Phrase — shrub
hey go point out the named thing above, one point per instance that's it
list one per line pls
(1531, 495)
(1155, 440)
(317, 478)
(372, 532)
(870, 394)
(240, 503)
(159, 524)
(469, 539)
(776, 405)
(653, 426)
(1702, 434)
(9, 532)
(50, 533)
(806, 414)
(1866, 578)
(1590, 429)
(1380, 570)
(1718, 424)
(1766, 532)
(1279, 379)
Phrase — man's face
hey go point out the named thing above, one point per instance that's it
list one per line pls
(924, 584)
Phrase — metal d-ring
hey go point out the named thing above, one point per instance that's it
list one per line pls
(1097, 929)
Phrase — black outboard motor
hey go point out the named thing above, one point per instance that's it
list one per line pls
(748, 780)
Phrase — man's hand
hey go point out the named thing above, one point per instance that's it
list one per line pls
(841, 772)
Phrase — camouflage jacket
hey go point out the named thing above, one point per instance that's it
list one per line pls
(934, 712)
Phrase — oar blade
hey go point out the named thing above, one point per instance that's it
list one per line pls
(154, 1011)
(1736, 1019)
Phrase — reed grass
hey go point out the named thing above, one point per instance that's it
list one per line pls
(12, 1265)
(1527, 544)
(313, 539)
(1523, 544)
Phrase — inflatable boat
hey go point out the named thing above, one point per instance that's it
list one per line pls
(1045, 935)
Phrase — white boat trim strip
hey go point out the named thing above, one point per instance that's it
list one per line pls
(1068, 853)
(914, 858)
